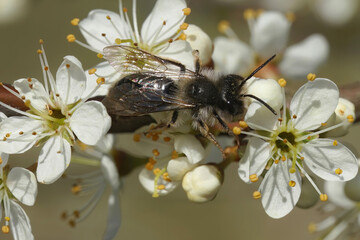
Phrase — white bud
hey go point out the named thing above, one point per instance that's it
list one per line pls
(178, 167)
(202, 183)
(200, 41)
(343, 109)
(267, 90)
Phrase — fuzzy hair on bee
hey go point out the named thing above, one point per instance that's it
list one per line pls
(154, 84)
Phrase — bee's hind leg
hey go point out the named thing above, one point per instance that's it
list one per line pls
(164, 126)
(226, 127)
(204, 130)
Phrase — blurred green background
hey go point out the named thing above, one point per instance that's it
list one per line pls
(233, 214)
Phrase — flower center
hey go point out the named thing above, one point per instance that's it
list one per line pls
(288, 137)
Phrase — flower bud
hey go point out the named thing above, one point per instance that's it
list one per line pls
(202, 183)
(342, 111)
(200, 41)
(266, 89)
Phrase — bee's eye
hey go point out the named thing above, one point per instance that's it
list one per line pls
(196, 90)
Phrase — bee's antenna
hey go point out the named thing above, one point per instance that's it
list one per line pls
(261, 101)
(256, 70)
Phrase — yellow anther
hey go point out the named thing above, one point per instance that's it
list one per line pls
(39, 51)
(341, 112)
(294, 116)
(7, 218)
(277, 161)
(155, 137)
(75, 21)
(223, 26)
(184, 26)
(29, 80)
(72, 223)
(136, 137)
(152, 160)
(100, 80)
(285, 140)
(323, 197)
(148, 135)
(41, 41)
(292, 183)
(170, 40)
(156, 171)
(350, 118)
(164, 22)
(311, 76)
(182, 36)
(282, 82)
(249, 13)
(236, 130)
(161, 187)
(186, 11)
(103, 34)
(149, 166)
(302, 158)
(323, 124)
(46, 68)
(76, 213)
(7, 135)
(290, 16)
(4, 138)
(99, 55)
(118, 41)
(1, 161)
(312, 227)
(253, 178)
(67, 65)
(283, 158)
(243, 124)
(256, 195)
(125, 9)
(167, 139)
(70, 38)
(92, 71)
(156, 152)
(76, 188)
(309, 138)
(108, 17)
(5, 229)
(64, 215)
(174, 155)
(338, 171)
(292, 170)
(166, 177)
(27, 103)
(335, 143)
(21, 132)
(280, 119)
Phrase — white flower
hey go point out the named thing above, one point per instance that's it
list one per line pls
(18, 185)
(288, 142)
(96, 181)
(12, 10)
(57, 113)
(269, 35)
(161, 34)
(345, 221)
(202, 183)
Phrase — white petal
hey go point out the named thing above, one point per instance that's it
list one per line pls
(178, 167)
(23, 185)
(336, 194)
(97, 23)
(70, 82)
(147, 177)
(179, 51)
(4, 159)
(110, 172)
(267, 90)
(90, 122)
(278, 198)
(190, 146)
(269, 34)
(102, 69)
(257, 154)
(283, 5)
(200, 41)
(53, 160)
(304, 57)
(105, 144)
(114, 217)
(19, 143)
(144, 148)
(164, 10)
(19, 223)
(336, 12)
(323, 158)
(233, 56)
(33, 91)
(258, 117)
(314, 103)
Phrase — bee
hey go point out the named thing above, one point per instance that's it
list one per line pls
(155, 84)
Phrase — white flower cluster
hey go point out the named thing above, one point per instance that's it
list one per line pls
(63, 114)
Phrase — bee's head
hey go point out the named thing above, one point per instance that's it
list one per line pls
(230, 101)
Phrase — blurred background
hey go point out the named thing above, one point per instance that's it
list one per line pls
(233, 214)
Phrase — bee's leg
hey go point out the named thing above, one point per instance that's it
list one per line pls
(197, 61)
(163, 126)
(226, 127)
(204, 130)
(174, 117)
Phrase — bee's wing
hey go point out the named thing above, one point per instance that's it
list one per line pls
(131, 60)
(143, 96)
